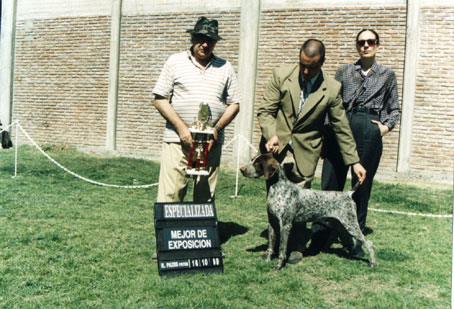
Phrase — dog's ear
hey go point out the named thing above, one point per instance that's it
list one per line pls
(270, 166)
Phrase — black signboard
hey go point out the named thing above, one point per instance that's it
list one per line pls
(187, 238)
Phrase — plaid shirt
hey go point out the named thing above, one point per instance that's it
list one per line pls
(377, 90)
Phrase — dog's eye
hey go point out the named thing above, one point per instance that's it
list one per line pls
(257, 166)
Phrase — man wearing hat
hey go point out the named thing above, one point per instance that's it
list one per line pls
(187, 79)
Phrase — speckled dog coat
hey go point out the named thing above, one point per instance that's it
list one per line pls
(288, 203)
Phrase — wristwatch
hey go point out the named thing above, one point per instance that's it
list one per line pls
(218, 128)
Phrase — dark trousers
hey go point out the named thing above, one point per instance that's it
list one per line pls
(334, 173)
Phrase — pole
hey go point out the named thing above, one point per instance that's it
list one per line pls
(15, 148)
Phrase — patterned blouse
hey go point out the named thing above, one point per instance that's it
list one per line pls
(376, 91)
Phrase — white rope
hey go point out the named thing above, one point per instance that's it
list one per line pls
(410, 213)
(238, 157)
(247, 142)
(155, 184)
(228, 144)
(9, 126)
(76, 175)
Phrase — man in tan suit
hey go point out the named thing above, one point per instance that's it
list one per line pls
(291, 116)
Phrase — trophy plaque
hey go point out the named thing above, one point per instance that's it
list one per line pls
(201, 131)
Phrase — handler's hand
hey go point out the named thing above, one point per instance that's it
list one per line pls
(185, 136)
(214, 140)
(383, 129)
(360, 172)
(272, 145)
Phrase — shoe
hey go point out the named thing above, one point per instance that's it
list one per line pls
(295, 257)
(367, 231)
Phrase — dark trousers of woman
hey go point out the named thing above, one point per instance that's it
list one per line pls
(334, 173)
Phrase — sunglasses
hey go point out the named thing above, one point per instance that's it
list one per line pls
(369, 42)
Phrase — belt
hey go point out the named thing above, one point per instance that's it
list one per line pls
(362, 109)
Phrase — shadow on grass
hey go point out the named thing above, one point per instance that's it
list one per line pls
(340, 252)
(230, 229)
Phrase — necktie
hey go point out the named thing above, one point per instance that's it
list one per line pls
(305, 93)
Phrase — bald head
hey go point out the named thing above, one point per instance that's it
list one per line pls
(313, 48)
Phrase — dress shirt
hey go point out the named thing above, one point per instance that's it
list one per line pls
(306, 89)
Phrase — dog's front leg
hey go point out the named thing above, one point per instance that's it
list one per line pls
(271, 242)
(285, 232)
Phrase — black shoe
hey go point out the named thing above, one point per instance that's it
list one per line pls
(295, 257)
(367, 230)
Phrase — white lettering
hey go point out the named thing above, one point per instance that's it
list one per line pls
(189, 244)
(182, 234)
(188, 211)
(202, 233)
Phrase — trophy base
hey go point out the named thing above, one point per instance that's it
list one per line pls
(191, 172)
(197, 131)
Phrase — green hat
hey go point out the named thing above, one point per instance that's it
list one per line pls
(208, 27)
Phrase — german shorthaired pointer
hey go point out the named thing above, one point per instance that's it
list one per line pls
(287, 203)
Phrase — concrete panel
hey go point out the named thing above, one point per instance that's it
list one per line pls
(138, 7)
(304, 4)
(41, 9)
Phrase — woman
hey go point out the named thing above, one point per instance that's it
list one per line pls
(370, 97)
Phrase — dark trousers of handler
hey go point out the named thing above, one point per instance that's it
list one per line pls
(334, 173)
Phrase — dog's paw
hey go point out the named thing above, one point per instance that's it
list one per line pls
(372, 264)
(267, 256)
(277, 267)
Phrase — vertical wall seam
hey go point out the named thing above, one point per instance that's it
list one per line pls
(409, 86)
(114, 73)
(8, 54)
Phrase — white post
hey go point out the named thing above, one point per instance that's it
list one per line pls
(7, 46)
(16, 146)
(247, 70)
(452, 260)
(114, 63)
(409, 87)
(239, 140)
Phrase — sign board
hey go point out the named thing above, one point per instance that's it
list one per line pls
(187, 238)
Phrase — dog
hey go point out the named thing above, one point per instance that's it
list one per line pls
(287, 203)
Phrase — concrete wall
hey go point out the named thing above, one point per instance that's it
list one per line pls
(61, 70)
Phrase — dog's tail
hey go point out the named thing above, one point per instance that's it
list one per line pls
(353, 190)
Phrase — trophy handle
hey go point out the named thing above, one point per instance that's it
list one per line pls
(191, 154)
(205, 155)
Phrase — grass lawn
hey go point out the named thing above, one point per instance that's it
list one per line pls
(67, 243)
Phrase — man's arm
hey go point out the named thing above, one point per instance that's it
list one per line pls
(166, 110)
(229, 114)
(266, 114)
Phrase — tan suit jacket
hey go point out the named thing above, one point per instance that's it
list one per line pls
(277, 117)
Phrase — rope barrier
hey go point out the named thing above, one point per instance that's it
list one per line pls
(18, 125)
(5, 129)
(410, 213)
(77, 175)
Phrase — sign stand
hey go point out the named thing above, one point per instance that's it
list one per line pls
(187, 238)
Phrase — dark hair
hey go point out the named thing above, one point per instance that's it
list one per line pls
(370, 30)
(312, 48)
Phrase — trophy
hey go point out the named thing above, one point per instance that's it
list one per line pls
(201, 131)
